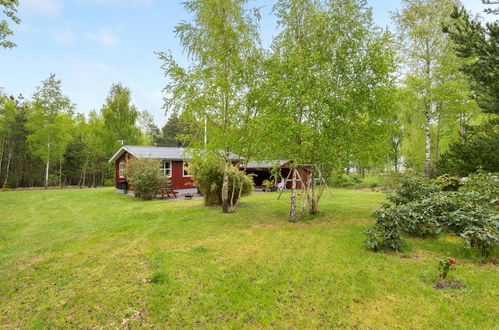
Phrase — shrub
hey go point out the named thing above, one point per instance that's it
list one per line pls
(447, 183)
(470, 213)
(412, 186)
(109, 182)
(144, 176)
(486, 185)
(341, 180)
(386, 233)
(207, 171)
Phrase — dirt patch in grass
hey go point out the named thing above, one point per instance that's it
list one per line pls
(442, 284)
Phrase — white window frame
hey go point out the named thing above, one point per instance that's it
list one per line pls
(184, 170)
(121, 170)
(163, 169)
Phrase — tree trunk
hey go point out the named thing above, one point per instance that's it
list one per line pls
(427, 147)
(292, 211)
(225, 185)
(303, 204)
(60, 173)
(7, 169)
(47, 167)
(437, 142)
(1, 156)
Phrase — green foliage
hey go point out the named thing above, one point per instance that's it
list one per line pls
(9, 10)
(109, 182)
(412, 186)
(475, 149)
(341, 180)
(479, 44)
(386, 234)
(435, 99)
(447, 183)
(144, 176)
(120, 117)
(444, 266)
(470, 213)
(207, 171)
(486, 185)
(178, 131)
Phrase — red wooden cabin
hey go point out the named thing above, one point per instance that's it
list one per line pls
(174, 167)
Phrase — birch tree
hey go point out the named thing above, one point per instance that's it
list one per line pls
(221, 42)
(436, 92)
(10, 11)
(50, 123)
(328, 88)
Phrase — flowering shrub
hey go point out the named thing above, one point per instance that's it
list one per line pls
(444, 266)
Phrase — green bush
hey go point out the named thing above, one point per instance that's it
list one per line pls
(144, 177)
(109, 182)
(341, 180)
(470, 213)
(447, 183)
(412, 186)
(386, 234)
(486, 184)
(207, 171)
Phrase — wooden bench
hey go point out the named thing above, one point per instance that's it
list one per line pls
(168, 192)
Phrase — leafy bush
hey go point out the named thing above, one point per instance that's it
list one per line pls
(470, 213)
(386, 234)
(410, 187)
(109, 182)
(486, 184)
(144, 176)
(447, 183)
(341, 180)
(207, 171)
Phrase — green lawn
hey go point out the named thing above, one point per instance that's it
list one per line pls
(94, 258)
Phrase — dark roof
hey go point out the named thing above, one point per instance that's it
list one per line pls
(169, 153)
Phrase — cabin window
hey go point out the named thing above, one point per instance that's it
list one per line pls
(121, 170)
(166, 168)
(186, 170)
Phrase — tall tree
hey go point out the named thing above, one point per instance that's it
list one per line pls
(50, 122)
(149, 130)
(178, 131)
(120, 117)
(478, 44)
(436, 93)
(328, 89)
(221, 41)
(9, 10)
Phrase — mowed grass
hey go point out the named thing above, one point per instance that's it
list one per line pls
(94, 258)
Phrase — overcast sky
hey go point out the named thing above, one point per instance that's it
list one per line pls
(90, 44)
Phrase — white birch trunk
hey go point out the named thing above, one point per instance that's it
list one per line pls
(225, 186)
(292, 211)
(427, 147)
(47, 167)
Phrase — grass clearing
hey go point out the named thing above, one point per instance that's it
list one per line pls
(94, 258)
